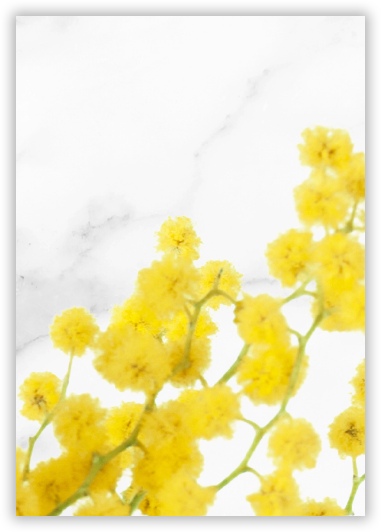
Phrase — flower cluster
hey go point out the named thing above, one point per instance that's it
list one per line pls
(347, 432)
(145, 455)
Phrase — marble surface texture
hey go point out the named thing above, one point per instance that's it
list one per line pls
(124, 121)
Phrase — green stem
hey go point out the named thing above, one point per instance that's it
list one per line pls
(296, 333)
(65, 382)
(254, 425)
(349, 227)
(292, 383)
(137, 500)
(298, 292)
(355, 486)
(231, 371)
(242, 466)
(251, 470)
(98, 463)
(47, 420)
(184, 363)
(203, 381)
(225, 295)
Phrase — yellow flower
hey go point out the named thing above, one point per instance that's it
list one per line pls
(211, 411)
(347, 432)
(40, 393)
(260, 320)
(150, 505)
(294, 443)
(265, 376)
(199, 360)
(161, 462)
(167, 285)
(230, 281)
(288, 256)
(58, 478)
(340, 262)
(131, 359)
(321, 200)
(164, 424)
(103, 504)
(358, 383)
(181, 496)
(177, 328)
(353, 177)
(136, 312)
(325, 147)
(120, 423)
(27, 503)
(346, 309)
(328, 507)
(79, 424)
(278, 496)
(178, 236)
(74, 331)
(54, 481)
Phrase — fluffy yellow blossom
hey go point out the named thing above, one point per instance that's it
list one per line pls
(182, 496)
(199, 360)
(167, 284)
(161, 462)
(288, 256)
(294, 444)
(325, 147)
(340, 262)
(40, 393)
(326, 508)
(346, 309)
(136, 312)
(164, 424)
(177, 327)
(104, 505)
(321, 200)
(58, 478)
(353, 177)
(260, 320)
(79, 423)
(131, 359)
(74, 331)
(178, 236)
(347, 432)
(120, 423)
(150, 505)
(265, 376)
(27, 503)
(230, 281)
(278, 495)
(358, 382)
(53, 482)
(211, 411)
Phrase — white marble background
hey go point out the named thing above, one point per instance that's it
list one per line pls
(124, 121)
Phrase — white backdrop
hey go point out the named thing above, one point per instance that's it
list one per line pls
(124, 121)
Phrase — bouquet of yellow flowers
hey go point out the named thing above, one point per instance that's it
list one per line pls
(162, 334)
